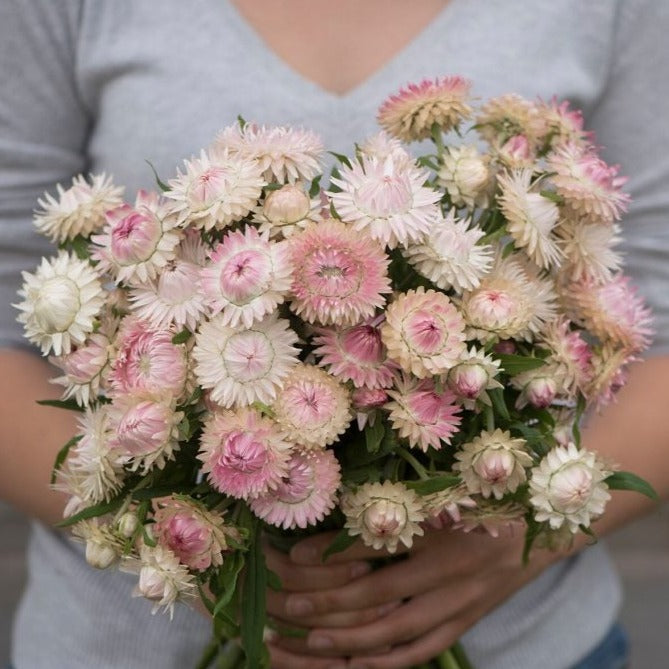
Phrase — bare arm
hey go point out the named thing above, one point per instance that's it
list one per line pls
(30, 435)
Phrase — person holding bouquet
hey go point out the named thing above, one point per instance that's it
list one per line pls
(100, 86)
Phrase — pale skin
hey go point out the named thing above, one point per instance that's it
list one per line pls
(405, 613)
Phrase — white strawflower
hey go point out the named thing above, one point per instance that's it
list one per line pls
(450, 255)
(381, 145)
(493, 463)
(568, 487)
(215, 190)
(383, 514)
(79, 210)
(61, 301)
(286, 211)
(163, 579)
(387, 199)
(103, 546)
(531, 217)
(464, 173)
(243, 366)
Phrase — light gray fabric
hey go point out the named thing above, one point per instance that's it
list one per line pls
(101, 85)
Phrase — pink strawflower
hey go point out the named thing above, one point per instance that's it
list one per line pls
(284, 154)
(423, 332)
(147, 361)
(387, 199)
(313, 408)
(339, 276)
(516, 153)
(79, 210)
(508, 115)
(561, 124)
(570, 353)
(588, 250)
(215, 190)
(383, 514)
(512, 301)
(382, 145)
(241, 367)
(145, 431)
(421, 414)
(84, 369)
(137, 242)
(450, 254)
(410, 114)
(443, 507)
(473, 376)
(590, 188)
(194, 534)
(540, 387)
(306, 493)
(246, 278)
(609, 374)
(365, 401)
(173, 298)
(355, 354)
(243, 453)
(613, 311)
(494, 518)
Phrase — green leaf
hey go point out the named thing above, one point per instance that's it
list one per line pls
(62, 454)
(182, 337)
(184, 429)
(315, 188)
(70, 405)
(552, 196)
(515, 364)
(374, 435)
(161, 184)
(341, 158)
(227, 578)
(498, 404)
(532, 532)
(434, 484)
(340, 543)
(629, 481)
(273, 580)
(253, 601)
(80, 247)
(93, 511)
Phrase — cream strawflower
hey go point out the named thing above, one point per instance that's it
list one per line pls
(588, 250)
(286, 211)
(562, 125)
(284, 154)
(511, 302)
(465, 175)
(215, 190)
(423, 332)
(246, 277)
(450, 255)
(531, 217)
(355, 354)
(570, 352)
(540, 387)
(383, 514)
(493, 463)
(313, 408)
(243, 453)
(137, 242)
(381, 145)
(163, 579)
(306, 493)
(494, 518)
(90, 474)
(567, 487)
(508, 115)
(609, 366)
(174, 298)
(339, 276)
(443, 507)
(473, 376)
(61, 302)
(410, 114)
(387, 199)
(79, 210)
(103, 546)
(590, 188)
(145, 431)
(612, 311)
(241, 367)
(421, 414)
(84, 369)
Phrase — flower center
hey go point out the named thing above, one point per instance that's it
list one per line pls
(244, 453)
(248, 356)
(57, 304)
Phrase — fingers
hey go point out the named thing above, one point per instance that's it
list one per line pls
(299, 578)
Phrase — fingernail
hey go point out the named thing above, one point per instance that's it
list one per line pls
(360, 569)
(319, 642)
(304, 554)
(298, 606)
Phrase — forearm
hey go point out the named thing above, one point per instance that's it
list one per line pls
(30, 436)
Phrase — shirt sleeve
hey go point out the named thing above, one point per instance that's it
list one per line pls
(630, 122)
(43, 130)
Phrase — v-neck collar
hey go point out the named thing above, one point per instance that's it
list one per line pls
(433, 30)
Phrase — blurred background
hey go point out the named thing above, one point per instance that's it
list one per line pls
(641, 552)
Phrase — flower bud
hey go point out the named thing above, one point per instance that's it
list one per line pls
(128, 524)
(287, 205)
(100, 554)
(495, 466)
(541, 391)
(57, 304)
(385, 517)
(468, 380)
(464, 174)
(154, 585)
(369, 398)
(516, 152)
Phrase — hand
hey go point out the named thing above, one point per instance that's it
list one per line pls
(401, 614)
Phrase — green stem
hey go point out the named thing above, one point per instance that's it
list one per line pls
(447, 660)
(460, 656)
(420, 470)
(230, 656)
(489, 419)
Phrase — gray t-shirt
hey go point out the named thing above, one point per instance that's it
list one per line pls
(95, 85)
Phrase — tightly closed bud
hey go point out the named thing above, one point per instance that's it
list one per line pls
(57, 304)
(286, 206)
(128, 524)
(100, 554)
(541, 391)
(468, 380)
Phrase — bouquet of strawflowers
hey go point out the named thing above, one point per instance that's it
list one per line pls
(407, 348)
